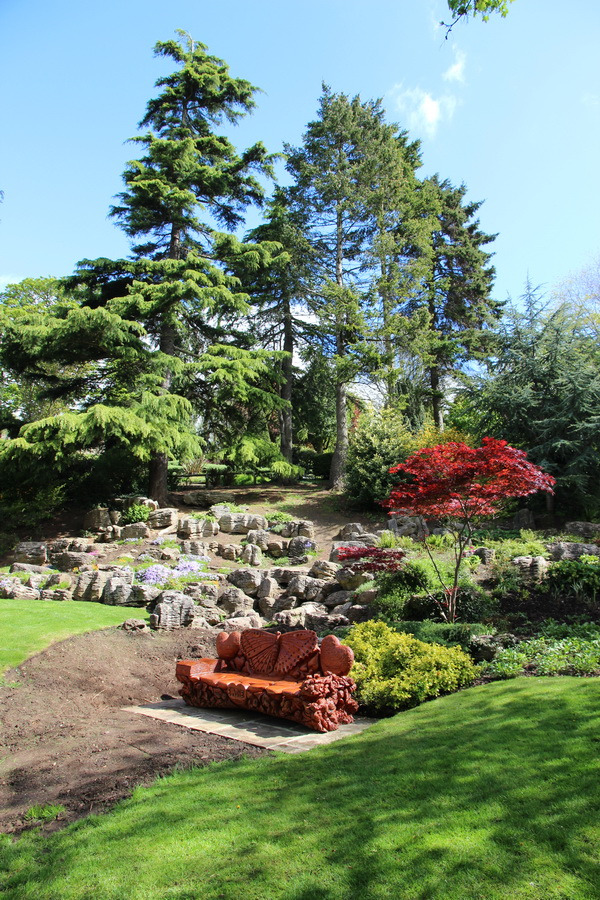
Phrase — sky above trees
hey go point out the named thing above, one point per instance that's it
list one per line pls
(511, 107)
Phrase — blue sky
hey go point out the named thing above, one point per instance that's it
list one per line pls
(510, 107)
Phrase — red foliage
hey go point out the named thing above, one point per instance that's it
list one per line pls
(455, 481)
(371, 559)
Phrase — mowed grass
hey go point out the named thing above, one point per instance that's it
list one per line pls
(490, 793)
(29, 626)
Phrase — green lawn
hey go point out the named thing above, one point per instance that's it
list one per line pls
(28, 626)
(489, 793)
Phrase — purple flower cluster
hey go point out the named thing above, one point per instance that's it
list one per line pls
(155, 574)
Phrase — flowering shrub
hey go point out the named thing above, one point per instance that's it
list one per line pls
(396, 671)
(159, 574)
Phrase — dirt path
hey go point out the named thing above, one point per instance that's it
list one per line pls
(64, 738)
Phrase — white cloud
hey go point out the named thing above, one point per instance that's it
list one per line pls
(456, 72)
(420, 110)
(591, 100)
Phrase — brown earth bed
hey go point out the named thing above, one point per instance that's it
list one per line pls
(65, 739)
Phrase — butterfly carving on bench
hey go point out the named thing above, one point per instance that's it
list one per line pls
(266, 652)
(279, 653)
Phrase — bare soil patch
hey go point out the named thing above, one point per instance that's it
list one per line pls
(64, 738)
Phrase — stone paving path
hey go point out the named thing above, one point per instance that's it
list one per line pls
(250, 727)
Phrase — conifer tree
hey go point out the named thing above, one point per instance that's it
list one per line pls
(455, 290)
(331, 172)
(160, 324)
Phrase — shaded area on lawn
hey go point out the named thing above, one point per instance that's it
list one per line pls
(490, 793)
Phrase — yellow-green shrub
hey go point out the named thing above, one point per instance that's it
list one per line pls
(396, 671)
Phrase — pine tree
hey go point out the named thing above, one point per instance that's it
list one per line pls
(456, 288)
(331, 172)
(278, 295)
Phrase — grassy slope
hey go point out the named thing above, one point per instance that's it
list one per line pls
(28, 626)
(490, 793)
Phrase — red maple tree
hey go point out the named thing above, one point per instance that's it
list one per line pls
(458, 484)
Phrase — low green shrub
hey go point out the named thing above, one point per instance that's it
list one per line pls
(559, 630)
(447, 634)
(395, 671)
(278, 518)
(396, 596)
(137, 512)
(578, 578)
(547, 656)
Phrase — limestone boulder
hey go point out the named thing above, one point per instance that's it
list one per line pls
(204, 593)
(349, 579)
(268, 588)
(138, 530)
(241, 523)
(194, 548)
(277, 548)
(300, 546)
(90, 586)
(248, 580)
(58, 594)
(172, 609)
(97, 519)
(304, 587)
(409, 526)
(533, 568)
(260, 537)
(321, 568)
(190, 527)
(586, 530)
(350, 529)
(144, 594)
(240, 623)
(118, 591)
(235, 602)
(29, 567)
(335, 599)
(271, 605)
(572, 550)
(229, 551)
(31, 552)
(282, 575)
(252, 555)
(164, 519)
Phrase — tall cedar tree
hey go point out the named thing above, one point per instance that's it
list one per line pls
(456, 288)
(332, 173)
(159, 323)
(277, 292)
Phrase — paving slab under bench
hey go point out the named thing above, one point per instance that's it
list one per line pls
(249, 727)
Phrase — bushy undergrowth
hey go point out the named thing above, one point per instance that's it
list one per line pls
(578, 578)
(137, 512)
(395, 671)
(548, 656)
(444, 633)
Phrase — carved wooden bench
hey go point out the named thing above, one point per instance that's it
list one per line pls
(283, 675)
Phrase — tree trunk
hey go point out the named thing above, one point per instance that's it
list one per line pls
(286, 440)
(158, 488)
(337, 473)
(437, 397)
(338, 462)
(158, 476)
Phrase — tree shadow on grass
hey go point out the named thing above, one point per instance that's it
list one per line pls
(491, 793)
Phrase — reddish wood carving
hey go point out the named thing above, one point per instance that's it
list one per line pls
(282, 675)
